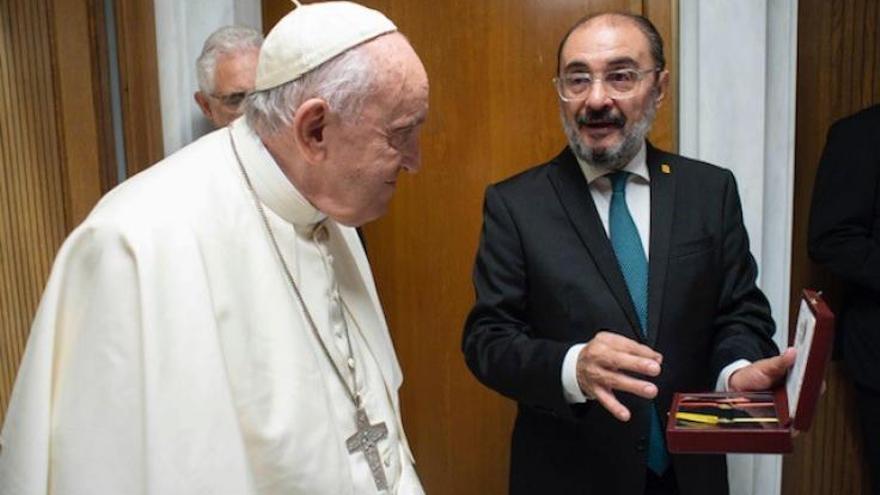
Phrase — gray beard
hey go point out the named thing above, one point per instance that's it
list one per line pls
(615, 157)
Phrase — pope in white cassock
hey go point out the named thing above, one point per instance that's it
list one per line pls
(213, 326)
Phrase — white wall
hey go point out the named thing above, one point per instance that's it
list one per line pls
(738, 67)
(181, 29)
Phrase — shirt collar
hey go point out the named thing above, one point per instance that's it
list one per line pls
(273, 188)
(638, 166)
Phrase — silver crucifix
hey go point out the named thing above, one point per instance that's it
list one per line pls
(365, 439)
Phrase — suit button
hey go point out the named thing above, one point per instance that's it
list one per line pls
(641, 444)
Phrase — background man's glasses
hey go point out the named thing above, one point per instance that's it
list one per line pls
(231, 100)
(618, 84)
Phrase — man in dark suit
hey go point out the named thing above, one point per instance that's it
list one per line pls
(611, 277)
(844, 236)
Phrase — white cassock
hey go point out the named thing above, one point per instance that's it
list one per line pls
(169, 355)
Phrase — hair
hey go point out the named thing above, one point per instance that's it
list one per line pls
(227, 40)
(655, 41)
(344, 82)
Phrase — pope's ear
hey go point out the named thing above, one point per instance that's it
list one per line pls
(309, 124)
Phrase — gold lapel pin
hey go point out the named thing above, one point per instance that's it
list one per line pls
(665, 168)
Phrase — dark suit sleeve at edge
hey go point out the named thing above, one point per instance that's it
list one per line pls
(500, 347)
(743, 326)
(842, 213)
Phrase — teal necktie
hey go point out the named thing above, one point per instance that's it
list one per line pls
(633, 263)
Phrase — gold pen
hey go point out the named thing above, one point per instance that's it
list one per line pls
(714, 420)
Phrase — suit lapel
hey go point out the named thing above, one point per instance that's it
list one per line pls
(574, 193)
(662, 203)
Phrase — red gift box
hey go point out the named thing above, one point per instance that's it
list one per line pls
(759, 422)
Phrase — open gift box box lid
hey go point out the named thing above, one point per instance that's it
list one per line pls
(759, 422)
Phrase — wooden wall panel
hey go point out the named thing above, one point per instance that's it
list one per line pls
(139, 73)
(75, 94)
(838, 74)
(664, 15)
(32, 183)
(56, 143)
(493, 112)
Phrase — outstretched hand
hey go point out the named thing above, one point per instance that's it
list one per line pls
(763, 374)
(603, 366)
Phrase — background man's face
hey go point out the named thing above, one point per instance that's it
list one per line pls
(366, 155)
(234, 76)
(603, 130)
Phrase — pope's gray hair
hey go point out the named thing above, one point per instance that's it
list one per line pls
(344, 82)
(228, 40)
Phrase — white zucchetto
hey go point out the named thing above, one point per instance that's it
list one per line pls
(312, 34)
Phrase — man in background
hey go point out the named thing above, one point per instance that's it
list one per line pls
(226, 70)
(610, 278)
(844, 236)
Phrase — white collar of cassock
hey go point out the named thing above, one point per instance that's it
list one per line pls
(637, 166)
(278, 194)
(271, 185)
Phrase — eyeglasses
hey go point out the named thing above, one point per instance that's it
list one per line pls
(231, 100)
(618, 84)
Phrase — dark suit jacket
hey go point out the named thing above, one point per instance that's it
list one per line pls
(845, 235)
(546, 277)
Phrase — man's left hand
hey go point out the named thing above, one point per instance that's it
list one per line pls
(763, 374)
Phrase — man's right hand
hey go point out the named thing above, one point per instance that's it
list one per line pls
(602, 365)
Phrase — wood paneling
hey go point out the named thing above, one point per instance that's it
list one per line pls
(493, 113)
(101, 93)
(139, 74)
(838, 74)
(56, 141)
(272, 11)
(32, 183)
(74, 94)
(664, 15)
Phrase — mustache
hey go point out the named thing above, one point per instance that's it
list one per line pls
(605, 116)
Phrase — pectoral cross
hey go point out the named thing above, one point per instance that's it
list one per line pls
(365, 439)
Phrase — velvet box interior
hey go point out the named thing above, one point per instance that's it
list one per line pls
(759, 422)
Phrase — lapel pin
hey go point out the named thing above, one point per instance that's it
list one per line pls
(665, 168)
